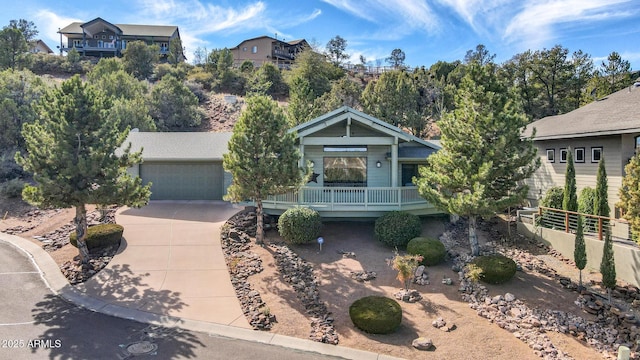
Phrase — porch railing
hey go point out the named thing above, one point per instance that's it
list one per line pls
(350, 196)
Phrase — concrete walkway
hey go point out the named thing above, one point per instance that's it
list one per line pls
(170, 271)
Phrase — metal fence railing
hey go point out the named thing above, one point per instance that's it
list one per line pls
(595, 225)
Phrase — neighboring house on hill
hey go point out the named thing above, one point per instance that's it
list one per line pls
(362, 166)
(265, 49)
(101, 38)
(40, 47)
(608, 128)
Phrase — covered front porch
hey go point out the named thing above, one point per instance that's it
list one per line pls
(356, 202)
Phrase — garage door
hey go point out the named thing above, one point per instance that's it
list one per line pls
(184, 181)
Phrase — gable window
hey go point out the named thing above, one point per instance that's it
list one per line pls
(579, 155)
(345, 171)
(551, 155)
(345, 148)
(96, 36)
(244, 48)
(104, 36)
(563, 155)
(254, 49)
(596, 154)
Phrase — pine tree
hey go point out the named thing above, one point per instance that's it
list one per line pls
(484, 160)
(570, 195)
(630, 195)
(262, 157)
(580, 251)
(608, 265)
(71, 152)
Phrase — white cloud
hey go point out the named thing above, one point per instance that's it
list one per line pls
(49, 22)
(537, 23)
(413, 14)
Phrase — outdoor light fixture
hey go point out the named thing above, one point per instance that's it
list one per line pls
(378, 164)
(312, 163)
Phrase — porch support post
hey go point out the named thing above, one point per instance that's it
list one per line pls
(303, 164)
(394, 163)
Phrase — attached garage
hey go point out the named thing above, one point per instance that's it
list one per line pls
(182, 166)
(184, 180)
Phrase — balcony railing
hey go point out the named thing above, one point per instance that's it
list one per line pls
(351, 199)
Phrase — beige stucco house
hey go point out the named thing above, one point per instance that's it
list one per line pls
(266, 49)
(608, 128)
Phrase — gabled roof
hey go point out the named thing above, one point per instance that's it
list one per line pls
(345, 112)
(179, 146)
(618, 113)
(127, 29)
(293, 42)
(41, 45)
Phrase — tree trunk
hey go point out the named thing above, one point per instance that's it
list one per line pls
(259, 221)
(81, 233)
(473, 237)
(580, 287)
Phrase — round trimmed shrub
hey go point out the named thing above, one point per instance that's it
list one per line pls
(553, 198)
(495, 269)
(431, 250)
(100, 235)
(299, 225)
(396, 228)
(376, 314)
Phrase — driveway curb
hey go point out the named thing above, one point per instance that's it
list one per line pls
(58, 284)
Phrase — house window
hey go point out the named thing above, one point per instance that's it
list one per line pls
(104, 36)
(551, 155)
(96, 36)
(77, 43)
(563, 155)
(345, 149)
(579, 155)
(596, 154)
(110, 37)
(345, 171)
(254, 49)
(408, 172)
(124, 44)
(637, 144)
(244, 49)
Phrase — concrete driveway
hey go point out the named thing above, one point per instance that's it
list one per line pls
(171, 263)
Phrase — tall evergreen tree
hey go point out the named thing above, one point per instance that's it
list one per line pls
(570, 196)
(336, 50)
(484, 160)
(602, 197)
(262, 157)
(71, 152)
(608, 264)
(580, 250)
(140, 58)
(630, 195)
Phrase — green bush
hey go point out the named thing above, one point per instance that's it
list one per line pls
(299, 225)
(99, 236)
(496, 269)
(586, 200)
(396, 228)
(12, 188)
(553, 198)
(376, 314)
(431, 250)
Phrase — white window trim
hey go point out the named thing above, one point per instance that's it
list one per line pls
(575, 155)
(593, 149)
(551, 158)
(563, 150)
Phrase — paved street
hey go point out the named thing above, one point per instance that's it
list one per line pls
(36, 324)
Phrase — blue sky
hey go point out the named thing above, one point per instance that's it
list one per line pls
(426, 30)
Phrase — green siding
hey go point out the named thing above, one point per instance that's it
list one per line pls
(184, 180)
(376, 177)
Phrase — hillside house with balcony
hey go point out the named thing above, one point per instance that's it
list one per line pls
(101, 38)
(266, 49)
